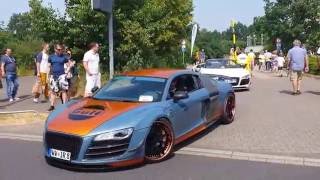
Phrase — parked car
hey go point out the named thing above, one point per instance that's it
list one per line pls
(137, 117)
(226, 70)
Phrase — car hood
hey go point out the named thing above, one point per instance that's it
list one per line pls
(86, 115)
(230, 72)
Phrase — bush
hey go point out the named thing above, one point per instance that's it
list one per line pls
(314, 66)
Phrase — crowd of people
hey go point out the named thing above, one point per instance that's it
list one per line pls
(57, 74)
(295, 62)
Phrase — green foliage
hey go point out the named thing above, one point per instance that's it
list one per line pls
(150, 31)
(46, 24)
(289, 20)
(314, 65)
(20, 25)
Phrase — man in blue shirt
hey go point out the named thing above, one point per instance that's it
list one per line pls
(298, 61)
(58, 78)
(9, 70)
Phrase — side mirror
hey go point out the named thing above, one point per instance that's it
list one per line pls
(180, 95)
(94, 90)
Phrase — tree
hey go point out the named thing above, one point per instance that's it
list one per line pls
(46, 23)
(289, 20)
(20, 25)
(149, 32)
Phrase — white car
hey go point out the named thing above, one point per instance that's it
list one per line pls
(226, 70)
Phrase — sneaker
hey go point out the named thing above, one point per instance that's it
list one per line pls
(10, 100)
(51, 108)
(36, 100)
(17, 99)
(299, 92)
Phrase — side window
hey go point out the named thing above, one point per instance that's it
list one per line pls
(197, 81)
(183, 83)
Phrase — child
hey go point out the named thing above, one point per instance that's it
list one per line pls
(280, 59)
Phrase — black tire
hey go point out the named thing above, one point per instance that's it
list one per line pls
(160, 142)
(229, 109)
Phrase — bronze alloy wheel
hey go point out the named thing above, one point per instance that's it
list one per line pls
(159, 143)
(229, 110)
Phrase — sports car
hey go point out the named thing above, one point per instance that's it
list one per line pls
(138, 117)
(226, 70)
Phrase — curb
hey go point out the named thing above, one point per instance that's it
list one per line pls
(288, 160)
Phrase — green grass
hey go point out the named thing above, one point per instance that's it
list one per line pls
(313, 64)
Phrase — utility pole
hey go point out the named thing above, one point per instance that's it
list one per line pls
(234, 40)
(106, 7)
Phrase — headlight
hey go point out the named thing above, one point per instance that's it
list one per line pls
(115, 135)
(246, 77)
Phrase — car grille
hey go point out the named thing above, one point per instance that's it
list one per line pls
(244, 82)
(107, 149)
(64, 142)
(235, 83)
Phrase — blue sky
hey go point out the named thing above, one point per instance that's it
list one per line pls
(211, 14)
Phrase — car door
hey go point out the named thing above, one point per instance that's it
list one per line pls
(187, 113)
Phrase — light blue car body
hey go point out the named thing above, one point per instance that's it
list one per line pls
(184, 116)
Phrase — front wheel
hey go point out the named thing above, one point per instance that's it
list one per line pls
(229, 109)
(160, 142)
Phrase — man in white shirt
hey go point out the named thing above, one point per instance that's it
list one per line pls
(268, 56)
(42, 72)
(91, 61)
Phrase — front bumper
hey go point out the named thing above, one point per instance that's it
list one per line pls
(242, 84)
(134, 154)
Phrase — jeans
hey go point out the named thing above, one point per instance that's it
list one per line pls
(12, 85)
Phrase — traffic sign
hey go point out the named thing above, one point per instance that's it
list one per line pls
(104, 6)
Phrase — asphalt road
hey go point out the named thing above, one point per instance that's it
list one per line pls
(23, 160)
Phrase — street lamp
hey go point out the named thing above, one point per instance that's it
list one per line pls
(183, 49)
(106, 6)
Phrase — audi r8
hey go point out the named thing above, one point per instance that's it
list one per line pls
(138, 117)
(226, 70)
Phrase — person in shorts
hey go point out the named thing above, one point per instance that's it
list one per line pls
(91, 61)
(280, 59)
(58, 77)
(298, 62)
(42, 72)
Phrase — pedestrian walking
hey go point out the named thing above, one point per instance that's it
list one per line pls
(9, 71)
(262, 60)
(42, 65)
(268, 57)
(251, 59)
(91, 62)
(280, 60)
(72, 75)
(299, 63)
(58, 77)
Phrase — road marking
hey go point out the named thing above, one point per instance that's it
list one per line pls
(266, 158)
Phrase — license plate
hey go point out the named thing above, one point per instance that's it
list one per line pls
(63, 155)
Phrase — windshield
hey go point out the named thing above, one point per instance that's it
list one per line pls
(221, 64)
(135, 89)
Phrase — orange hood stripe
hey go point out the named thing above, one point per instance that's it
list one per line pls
(62, 123)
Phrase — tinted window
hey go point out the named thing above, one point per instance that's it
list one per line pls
(183, 83)
(126, 88)
(221, 64)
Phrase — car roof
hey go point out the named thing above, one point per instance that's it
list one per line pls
(158, 73)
